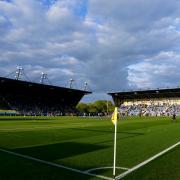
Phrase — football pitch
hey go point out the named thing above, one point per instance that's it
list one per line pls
(52, 148)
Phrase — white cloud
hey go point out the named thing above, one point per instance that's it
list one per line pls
(161, 70)
(116, 45)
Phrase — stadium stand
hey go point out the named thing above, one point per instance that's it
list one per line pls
(161, 102)
(29, 98)
(150, 110)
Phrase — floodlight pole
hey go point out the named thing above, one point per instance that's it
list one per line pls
(43, 77)
(70, 83)
(85, 86)
(18, 72)
(114, 163)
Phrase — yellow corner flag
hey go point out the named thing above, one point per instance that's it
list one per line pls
(114, 116)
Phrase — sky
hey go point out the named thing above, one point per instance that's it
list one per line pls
(116, 45)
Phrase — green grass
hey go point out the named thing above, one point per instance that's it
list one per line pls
(86, 143)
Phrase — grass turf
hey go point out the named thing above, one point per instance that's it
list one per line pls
(85, 143)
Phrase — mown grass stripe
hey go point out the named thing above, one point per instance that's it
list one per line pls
(146, 161)
(54, 164)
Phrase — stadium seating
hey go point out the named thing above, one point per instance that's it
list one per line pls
(28, 98)
(150, 110)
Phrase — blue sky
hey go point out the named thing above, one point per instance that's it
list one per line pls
(80, 9)
(111, 45)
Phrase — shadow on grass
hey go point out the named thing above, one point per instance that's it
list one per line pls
(16, 168)
(107, 131)
(112, 141)
(58, 151)
(127, 133)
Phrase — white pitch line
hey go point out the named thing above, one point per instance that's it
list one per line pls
(54, 164)
(99, 168)
(147, 161)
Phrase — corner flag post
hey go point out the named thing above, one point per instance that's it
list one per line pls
(114, 120)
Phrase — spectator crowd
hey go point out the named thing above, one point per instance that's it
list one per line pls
(164, 109)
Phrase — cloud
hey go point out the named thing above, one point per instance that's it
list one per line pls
(136, 14)
(159, 71)
(112, 45)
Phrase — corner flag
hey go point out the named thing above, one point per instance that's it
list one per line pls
(114, 121)
(114, 116)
